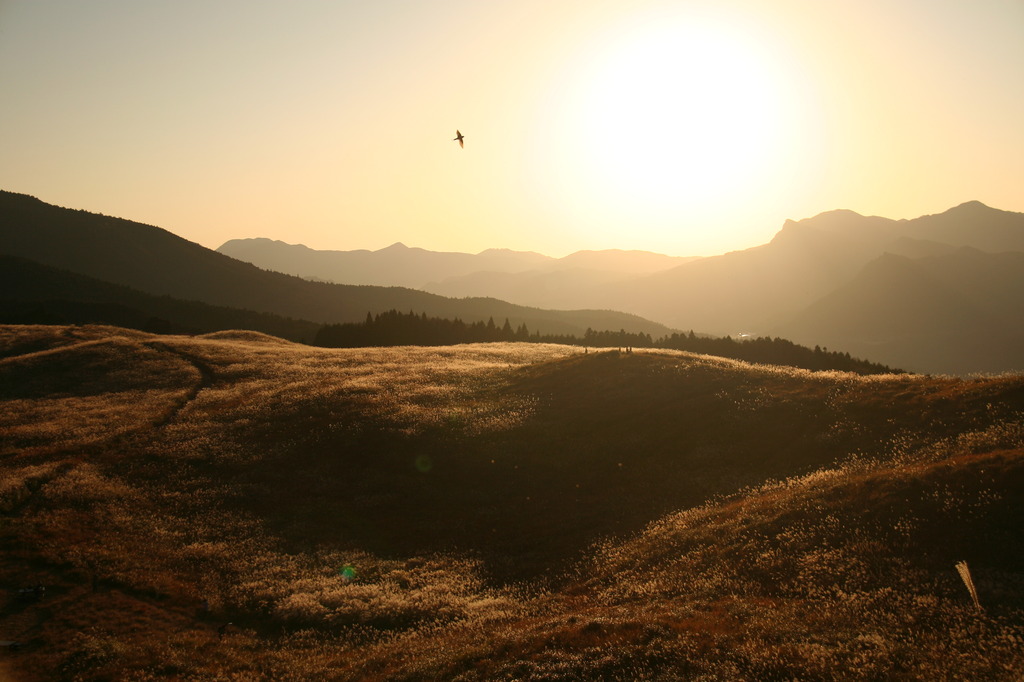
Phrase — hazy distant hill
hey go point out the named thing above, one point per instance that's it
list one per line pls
(959, 312)
(784, 286)
(543, 288)
(489, 273)
(758, 289)
(742, 291)
(901, 292)
(767, 288)
(811, 284)
(155, 261)
(735, 292)
(396, 265)
(754, 289)
(970, 224)
(722, 294)
(561, 283)
(618, 260)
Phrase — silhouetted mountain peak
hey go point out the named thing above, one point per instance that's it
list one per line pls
(849, 225)
(397, 246)
(834, 214)
(839, 216)
(969, 210)
(975, 210)
(972, 224)
(260, 241)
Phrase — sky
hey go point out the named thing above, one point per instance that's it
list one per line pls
(686, 127)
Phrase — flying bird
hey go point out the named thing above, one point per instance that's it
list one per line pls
(459, 137)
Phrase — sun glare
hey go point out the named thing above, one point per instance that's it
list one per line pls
(681, 114)
(676, 121)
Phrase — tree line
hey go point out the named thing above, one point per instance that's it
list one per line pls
(394, 328)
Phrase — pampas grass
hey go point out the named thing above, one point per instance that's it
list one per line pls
(965, 574)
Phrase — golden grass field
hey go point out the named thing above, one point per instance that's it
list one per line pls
(236, 507)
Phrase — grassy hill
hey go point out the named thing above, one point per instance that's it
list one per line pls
(497, 511)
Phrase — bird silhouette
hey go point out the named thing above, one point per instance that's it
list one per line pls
(459, 136)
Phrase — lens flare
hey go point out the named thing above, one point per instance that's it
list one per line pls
(424, 463)
(348, 573)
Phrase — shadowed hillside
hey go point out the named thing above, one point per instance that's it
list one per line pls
(805, 261)
(36, 294)
(157, 262)
(496, 511)
(958, 312)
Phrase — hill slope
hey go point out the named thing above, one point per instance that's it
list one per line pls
(37, 294)
(430, 514)
(807, 259)
(957, 313)
(157, 262)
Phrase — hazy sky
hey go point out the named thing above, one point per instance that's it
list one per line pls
(685, 127)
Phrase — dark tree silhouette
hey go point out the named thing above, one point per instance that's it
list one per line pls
(393, 328)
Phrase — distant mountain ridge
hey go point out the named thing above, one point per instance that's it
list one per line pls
(396, 265)
(756, 289)
(400, 265)
(959, 312)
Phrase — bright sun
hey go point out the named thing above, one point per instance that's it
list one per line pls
(680, 118)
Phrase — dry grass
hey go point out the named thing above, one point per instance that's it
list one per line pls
(497, 511)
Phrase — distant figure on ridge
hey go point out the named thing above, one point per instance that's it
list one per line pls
(459, 136)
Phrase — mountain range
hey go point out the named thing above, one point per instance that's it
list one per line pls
(155, 262)
(400, 265)
(936, 294)
(940, 293)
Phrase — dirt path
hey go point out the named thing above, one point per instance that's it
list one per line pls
(207, 377)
